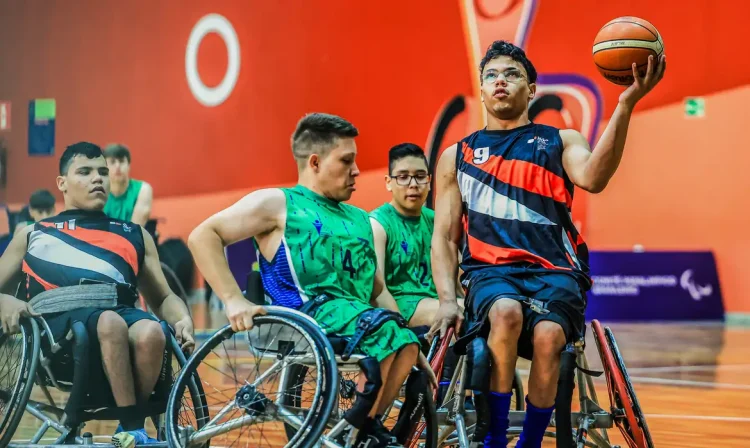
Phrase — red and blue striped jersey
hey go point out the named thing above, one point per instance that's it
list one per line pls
(517, 201)
(80, 245)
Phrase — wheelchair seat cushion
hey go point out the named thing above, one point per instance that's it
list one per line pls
(338, 318)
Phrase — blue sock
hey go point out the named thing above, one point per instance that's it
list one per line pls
(497, 436)
(534, 425)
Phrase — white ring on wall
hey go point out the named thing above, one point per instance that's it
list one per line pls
(212, 96)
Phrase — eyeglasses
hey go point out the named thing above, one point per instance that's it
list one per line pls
(512, 75)
(405, 179)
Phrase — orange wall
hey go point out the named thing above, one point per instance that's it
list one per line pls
(683, 184)
(117, 71)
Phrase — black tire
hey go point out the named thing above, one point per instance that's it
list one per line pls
(195, 388)
(327, 397)
(18, 396)
(628, 385)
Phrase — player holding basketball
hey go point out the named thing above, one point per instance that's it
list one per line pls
(525, 264)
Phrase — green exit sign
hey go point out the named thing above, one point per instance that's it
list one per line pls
(695, 107)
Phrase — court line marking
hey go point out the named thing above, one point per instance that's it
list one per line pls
(699, 417)
(671, 382)
(696, 368)
(706, 384)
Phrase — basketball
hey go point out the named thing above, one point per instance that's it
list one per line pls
(623, 41)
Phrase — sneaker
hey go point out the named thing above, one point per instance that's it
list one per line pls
(129, 439)
(374, 434)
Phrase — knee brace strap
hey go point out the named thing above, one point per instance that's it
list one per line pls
(369, 322)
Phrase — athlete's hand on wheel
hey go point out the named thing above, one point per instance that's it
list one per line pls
(642, 85)
(240, 313)
(183, 331)
(11, 312)
(448, 314)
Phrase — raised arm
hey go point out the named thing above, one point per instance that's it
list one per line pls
(256, 215)
(592, 171)
(445, 239)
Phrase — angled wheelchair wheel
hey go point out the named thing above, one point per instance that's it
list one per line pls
(627, 411)
(19, 358)
(244, 377)
(193, 408)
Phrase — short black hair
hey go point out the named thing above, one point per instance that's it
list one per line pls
(403, 150)
(505, 48)
(42, 200)
(117, 151)
(321, 130)
(89, 150)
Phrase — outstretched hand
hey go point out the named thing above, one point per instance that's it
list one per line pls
(644, 84)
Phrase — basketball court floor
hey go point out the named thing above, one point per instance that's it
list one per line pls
(692, 380)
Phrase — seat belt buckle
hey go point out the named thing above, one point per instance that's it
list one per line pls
(537, 306)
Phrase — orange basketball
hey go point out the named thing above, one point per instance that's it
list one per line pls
(623, 41)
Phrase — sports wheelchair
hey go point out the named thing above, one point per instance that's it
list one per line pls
(65, 366)
(306, 380)
(587, 427)
(297, 387)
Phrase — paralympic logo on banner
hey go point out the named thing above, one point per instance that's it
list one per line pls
(654, 285)
(631, 285)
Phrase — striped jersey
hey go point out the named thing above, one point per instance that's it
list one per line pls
(78, 246)
(517, 202)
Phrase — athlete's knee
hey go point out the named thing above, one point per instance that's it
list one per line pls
(549, 339)
(506, 315)
(111, 328)
(410, 352)
(149, 337)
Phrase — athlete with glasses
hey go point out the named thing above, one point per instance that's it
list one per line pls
(403, 233)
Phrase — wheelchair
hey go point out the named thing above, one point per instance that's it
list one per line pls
(587, 427)
(34, 357)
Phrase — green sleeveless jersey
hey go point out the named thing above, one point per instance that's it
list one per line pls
(121, 207)
(327, 249)
(408, 270)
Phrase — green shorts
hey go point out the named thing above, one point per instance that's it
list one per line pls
(338, 317)
(408, 305)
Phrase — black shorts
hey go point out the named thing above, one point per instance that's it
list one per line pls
(560, 293)
(60, 323)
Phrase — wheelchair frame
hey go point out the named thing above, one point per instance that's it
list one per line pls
(70, 420)
(453, 423)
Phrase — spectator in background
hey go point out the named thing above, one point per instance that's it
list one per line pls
(129, 199)
(41, 206)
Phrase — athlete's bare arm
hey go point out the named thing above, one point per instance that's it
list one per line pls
(12, 309)
(142, 208)
(259, 215)
(381, 241)
(592, 171)
(164, 303)
(445, 239)
(384, 299)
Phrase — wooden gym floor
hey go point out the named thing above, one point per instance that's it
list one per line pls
(692, 380)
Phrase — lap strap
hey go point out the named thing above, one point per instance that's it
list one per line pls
(369, 322)
(312, 305)
(69, 298)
